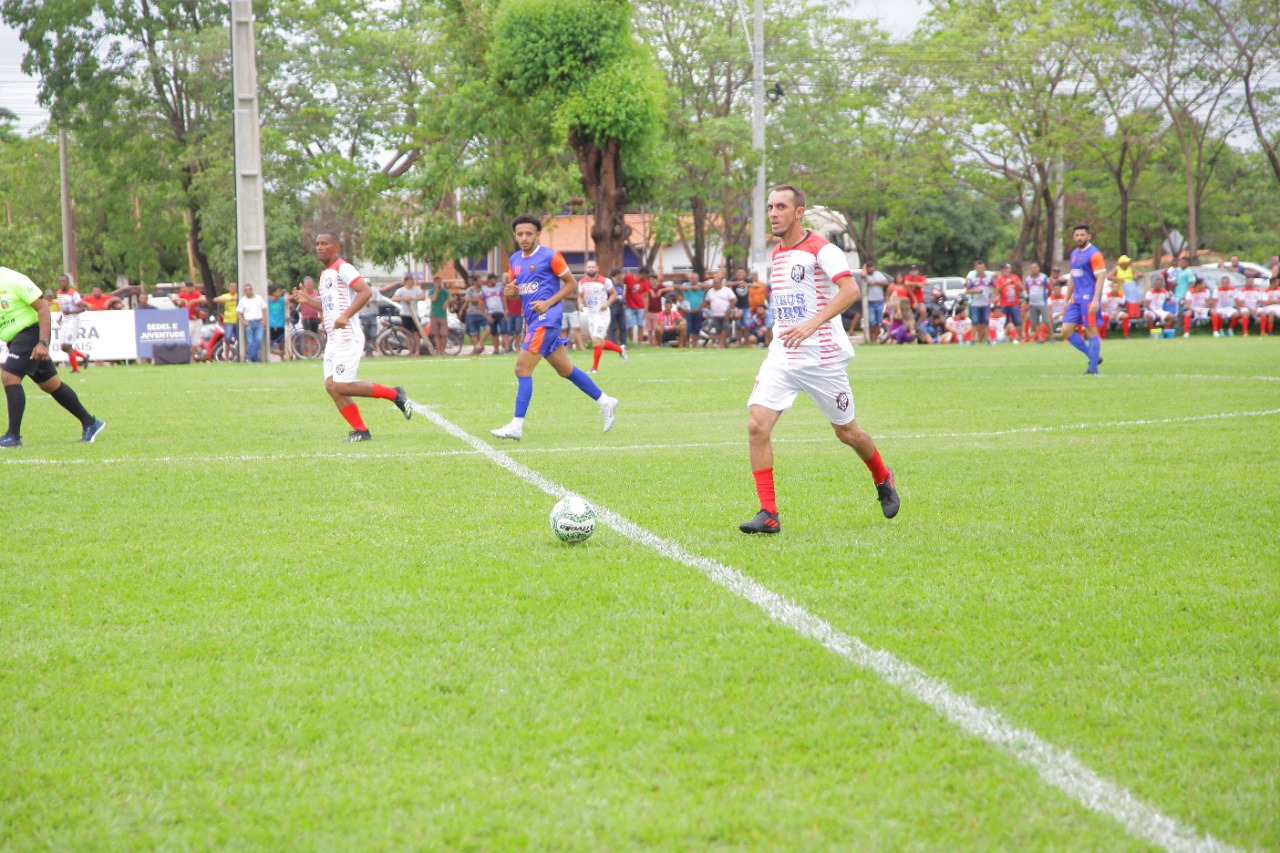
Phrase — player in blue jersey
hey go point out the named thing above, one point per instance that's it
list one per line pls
(1084, 291)
(542, 279)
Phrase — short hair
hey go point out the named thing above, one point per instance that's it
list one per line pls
(979, 261)
(331, 234)
(797, 194)
(1081, 227)
(527, 219)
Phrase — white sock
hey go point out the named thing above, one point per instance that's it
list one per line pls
(518, 423)
(604, 400)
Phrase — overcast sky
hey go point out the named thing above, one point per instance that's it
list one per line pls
(18, 91)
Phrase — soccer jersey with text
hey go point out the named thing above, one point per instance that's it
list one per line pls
(1037, 289)
(537, 277)
(1155, 298)
(802, 279)
(1111, 305)
(1198, 300)
(1225, 297)
(1086, 263)
(1250, 297)
(335, 298)
(594, 292)
(69, 302)
(17, 292)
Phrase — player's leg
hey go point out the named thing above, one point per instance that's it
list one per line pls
(16, 401)
(527, 359)
(559, 360)
(760, 422)
(1075, 316)
(46, 377)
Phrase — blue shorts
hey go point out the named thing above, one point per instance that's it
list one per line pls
(694, 321)
(635, 318)
(543, 340)
(1076, 314)
(875, 313)
(477, 324)
(1013, 314)
(980, 314)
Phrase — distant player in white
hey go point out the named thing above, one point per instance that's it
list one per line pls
(811, 287)
(596, 295)
(1224, 307)
(70, 307)
(342, 294)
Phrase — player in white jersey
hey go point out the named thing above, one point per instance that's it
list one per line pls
(1153, 307)
(1271, 307)
(1195, 307)
(343, 292)
(596, 295)
(1224, 307)
(1249, 301)
(811, 286)
(70, 307)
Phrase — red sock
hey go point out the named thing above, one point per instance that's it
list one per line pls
(1186, 323)
(764, 488)
(352, 414)
(595, 357)
(74, 365)
(612, 347)
(1102, 330)
(1217, 323)
(1244, 326)
(382, 392)
(875, 465)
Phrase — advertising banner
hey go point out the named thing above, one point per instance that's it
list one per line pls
(122, 335)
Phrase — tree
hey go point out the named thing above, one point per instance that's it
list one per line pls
(579, 62)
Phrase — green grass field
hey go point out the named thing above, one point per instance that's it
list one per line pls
(221, 628)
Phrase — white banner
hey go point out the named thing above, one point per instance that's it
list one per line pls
(104, 336)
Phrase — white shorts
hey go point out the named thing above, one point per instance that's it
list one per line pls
(342, 359)
(1158, 314)
(598, 324)
(1226, 313)
(571, 320)
(69, 330)
(827, 385)
(1271, 310)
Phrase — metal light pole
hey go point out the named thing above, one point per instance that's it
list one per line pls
(757, 145)
(251, 234)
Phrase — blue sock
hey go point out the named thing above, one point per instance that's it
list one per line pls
(1078, 342)
(585, 383)
(524, 393)
(1095, 352)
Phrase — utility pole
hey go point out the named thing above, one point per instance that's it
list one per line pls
(68, 219)
(757, 145)
(251, 232)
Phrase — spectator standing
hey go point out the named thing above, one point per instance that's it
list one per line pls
(618, 309)
(978, 285)
(720, 310)
(440, 314)
(1009, 287)
(496, 308)
(571, 321)
(191, 299)
(477, 320)
(368, 313)
(408, 298)
(1038, 318)
(653, 308)
(144, 302)
(1186, 277)
(307, 313)
(1123, 275)
(693, 292)
(230, 320)
(252, 311)
(637, 297)
(875, 282)
(275, 316)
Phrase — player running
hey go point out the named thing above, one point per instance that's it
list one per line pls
(343, 292)
(1084, 290)
(70, 307)
(596, 295)
(542, 279)
(811, 285)
(25, 322)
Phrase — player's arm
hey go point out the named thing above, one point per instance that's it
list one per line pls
(41, 350)
(568, 285)
(361, 288)
(846, 295)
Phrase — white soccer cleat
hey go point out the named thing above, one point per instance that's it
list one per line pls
(624, 353)
(608, 405)
(512, 431)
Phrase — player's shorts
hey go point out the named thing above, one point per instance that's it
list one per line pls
(1226, 313)
(1039, 315)
(342, 359)
(717, 326)
(777, 385)
(598, 324)
(980, 315)
(19, 361)
(1271, 310)
(69, 329)
(1013, 314)
(1158, 315)
(571, 320)
(543, 340)
(1078, 313)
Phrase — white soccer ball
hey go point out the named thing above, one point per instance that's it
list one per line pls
(573, 519)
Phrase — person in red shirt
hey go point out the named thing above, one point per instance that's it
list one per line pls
(191, 299)
(898, 302)
(1009, 290)
(636, 295)
(99, 301)
(653, 311)
(915, 283)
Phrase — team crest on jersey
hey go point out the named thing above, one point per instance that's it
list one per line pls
(797, 273)
(842, 401)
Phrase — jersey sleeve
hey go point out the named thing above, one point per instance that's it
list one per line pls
(833, 262)
(25, 289)
(558, 265)
(348, 273)
(1098, 263)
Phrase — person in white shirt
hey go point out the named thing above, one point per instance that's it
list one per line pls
(70, 307)
(253, 315)
(811, 285)
(721, 310)
(596, 295)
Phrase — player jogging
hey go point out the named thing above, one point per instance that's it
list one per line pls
(811, 285)
(596, 296)
(25, 322)
(1084, 290)
(341, 296)
(70, 307)
(542, 279)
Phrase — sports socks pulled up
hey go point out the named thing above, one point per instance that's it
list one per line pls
(765, 490)
(352, 414)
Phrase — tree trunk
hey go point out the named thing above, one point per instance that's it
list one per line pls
(1051, 221)
(601, 170)
(1193, 241)
(207, 283)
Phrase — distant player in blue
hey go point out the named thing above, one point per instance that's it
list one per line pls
(1084, 290)
(542, 279)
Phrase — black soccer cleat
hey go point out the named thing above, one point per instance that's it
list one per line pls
(92, 430)
(888, 497)
(402, 402)
(764, 522)
(358, 435)
(10, 440)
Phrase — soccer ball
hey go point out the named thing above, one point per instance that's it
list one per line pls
(573, 519)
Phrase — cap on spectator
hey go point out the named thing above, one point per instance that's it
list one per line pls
(915, 267)
(1056, 269)
(1123, 259)
(1006, 266)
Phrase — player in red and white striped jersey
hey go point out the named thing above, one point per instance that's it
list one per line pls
(343, 292)
(811, 286)
(1249, 299)
(1224, 307)
(70, 307)
(1195, 307)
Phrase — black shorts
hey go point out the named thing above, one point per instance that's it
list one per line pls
(20, 362)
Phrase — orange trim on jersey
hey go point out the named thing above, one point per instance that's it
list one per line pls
(1097, 262)
(534, 343)
(558, 265)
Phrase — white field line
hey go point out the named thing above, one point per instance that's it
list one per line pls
(692, 445)
(1056, 766)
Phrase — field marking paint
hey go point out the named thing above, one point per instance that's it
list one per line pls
(1056, 766)
(692, 445)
